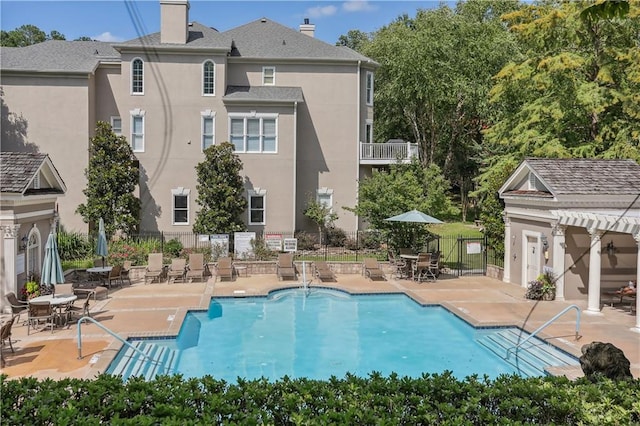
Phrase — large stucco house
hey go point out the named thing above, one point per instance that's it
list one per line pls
(298, 110)
(580, 219)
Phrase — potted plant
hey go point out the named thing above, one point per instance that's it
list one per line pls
(31, 289)
(542, 288)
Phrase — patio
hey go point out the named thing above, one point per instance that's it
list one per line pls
(159, 309)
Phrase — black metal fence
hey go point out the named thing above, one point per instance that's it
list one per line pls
(460, 254)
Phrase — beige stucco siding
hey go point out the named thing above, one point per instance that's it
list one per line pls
(53, 117)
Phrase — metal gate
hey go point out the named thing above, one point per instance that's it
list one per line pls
(472, 256)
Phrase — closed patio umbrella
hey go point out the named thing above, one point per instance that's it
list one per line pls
(52, 273)
(101, 247)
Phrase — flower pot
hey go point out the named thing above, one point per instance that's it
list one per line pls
(549, 296)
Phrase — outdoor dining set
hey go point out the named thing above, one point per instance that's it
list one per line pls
(418, 267)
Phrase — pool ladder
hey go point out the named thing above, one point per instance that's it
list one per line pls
(546, 324)
(114, 334)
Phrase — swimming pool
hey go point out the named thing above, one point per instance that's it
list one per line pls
(326, 333)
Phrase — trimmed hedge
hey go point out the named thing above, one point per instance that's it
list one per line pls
(392, 400)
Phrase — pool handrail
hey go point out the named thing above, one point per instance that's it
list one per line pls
(113, 333)
(543, 326)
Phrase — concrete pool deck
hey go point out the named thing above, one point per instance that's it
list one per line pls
(158, 309)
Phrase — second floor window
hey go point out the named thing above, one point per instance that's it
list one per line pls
(369, 88)
(208, 78)
(116, 125)
(208, 134)
(268, 76)
(137, 77)
(180, 206)
(256, 208)
(254, 134)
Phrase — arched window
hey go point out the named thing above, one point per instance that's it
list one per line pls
(208, 78)
(137, 76)
(34, 260)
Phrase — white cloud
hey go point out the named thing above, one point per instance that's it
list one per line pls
(358, 6)
(320, 11)
(107, 36)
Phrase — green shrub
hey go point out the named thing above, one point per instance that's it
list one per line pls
(306, 241)
(173, 248)
(72, 245)
(261, 251)
(335, 237)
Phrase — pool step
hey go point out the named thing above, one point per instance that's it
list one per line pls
(532, 358)
(159, 360)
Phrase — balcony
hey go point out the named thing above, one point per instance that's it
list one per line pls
(387, 153)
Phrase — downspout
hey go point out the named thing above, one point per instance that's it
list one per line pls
(295, 164)
(358, 100)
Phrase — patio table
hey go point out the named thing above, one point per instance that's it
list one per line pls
(101, 271)
(57, 301)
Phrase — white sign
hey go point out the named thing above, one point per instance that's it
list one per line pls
(203, 238)
(273, 241)
(242, 244)
(219, 245)
(474, 248)
(20, 264)
(290, 244)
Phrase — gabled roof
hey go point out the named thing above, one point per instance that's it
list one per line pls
(58, 56)
(18, 170)
(575, 176)
(263, 94)
(266, 39)
(200, 37)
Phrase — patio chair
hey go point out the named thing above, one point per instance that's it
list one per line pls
(398, 265)
(39, 313)
(17, 306)
(323, 272)
(114, 276)
(224, 269)
(79, 311)
(177, 270)
(372, 269)
(196, 267)
(285, 267)
(124, 272)
(5, 331)
(155, 268)
(421, 267)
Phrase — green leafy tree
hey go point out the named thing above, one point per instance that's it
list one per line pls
(436, 71)
(220, 191)
(27, 35)
(112, 176)
(354, 39)
(320, 214)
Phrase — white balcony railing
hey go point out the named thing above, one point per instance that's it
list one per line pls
(387, 153)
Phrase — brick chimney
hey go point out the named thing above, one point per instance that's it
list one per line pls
(307, 28)
(174, 21)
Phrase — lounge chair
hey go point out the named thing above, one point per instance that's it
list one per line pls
(124, 272)
(40, 312)
(155, 268)
(196, 267)
(224, 269)
(17, 306)
(177, 270)
(5, 331)
(372, 269)
(323, 272)
(285, 267)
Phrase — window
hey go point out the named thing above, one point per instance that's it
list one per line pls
(324, 196)
(180, 206)
(208, 129)
(257, 206)
(368, 130)
(268, 76)
(208, 78)
(137, 131)
(116, 125)
(254, 133)
(137, 77)
(33, 251)
(369, 88)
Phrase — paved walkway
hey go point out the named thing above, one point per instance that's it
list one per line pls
(159, 309)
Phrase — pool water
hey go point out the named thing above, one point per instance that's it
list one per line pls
(327, 333)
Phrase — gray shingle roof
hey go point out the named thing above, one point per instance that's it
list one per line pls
(200, 37)
(17, 169)
(264, 93)
(267, 39)
(588, 176)
(58, 56)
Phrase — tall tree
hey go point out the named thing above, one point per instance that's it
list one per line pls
(432, 86)
(27, 35)
(354, 39)
(220, 191)
(112, 176)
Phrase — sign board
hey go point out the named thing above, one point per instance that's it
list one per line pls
(290, 244)
(20, 264)
(474, 248)
(242, 244)
(203, 238)
(219, 245)
(273, 241)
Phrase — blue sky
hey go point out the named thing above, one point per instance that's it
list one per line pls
(118, 20)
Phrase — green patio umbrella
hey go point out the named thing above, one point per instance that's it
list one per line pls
(406, 233)
(52, 273)
(101, 247)
(413, 216)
